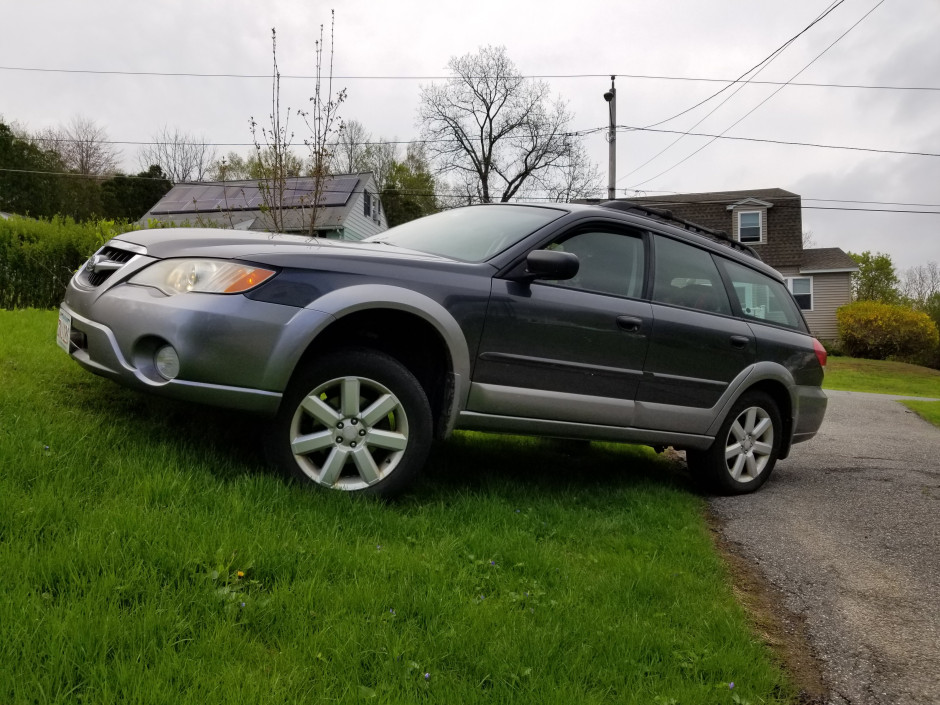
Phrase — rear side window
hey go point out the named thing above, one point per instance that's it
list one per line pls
(763, 298)
(687, 276)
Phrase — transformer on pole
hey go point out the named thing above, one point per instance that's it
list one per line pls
(611, 98)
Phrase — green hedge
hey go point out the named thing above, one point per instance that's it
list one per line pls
(38, 257)
(878, 331)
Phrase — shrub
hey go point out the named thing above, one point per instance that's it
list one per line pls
(880, 331)
(38, 257)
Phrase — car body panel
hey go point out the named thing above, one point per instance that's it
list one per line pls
(522, 355)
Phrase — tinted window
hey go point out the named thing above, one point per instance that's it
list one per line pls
(763, 298)
(472, 234)
(687, 276)
(611, 263)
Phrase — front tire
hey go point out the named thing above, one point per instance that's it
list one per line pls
(746, 448)
(355, 420)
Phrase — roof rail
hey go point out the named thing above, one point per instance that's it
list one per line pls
(666, 215)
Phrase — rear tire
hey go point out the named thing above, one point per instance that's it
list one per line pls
(355, 420)
(745, 449)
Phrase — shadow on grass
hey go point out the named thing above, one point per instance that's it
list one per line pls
(467, 462)
(547, 466)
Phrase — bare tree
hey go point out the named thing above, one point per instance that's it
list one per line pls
(921, 283)
(183, 157)
(494, 130)
(272, 149)
(809, 240)
(82, 146)
(354, 150)
(577, 177)
(351, 149)
(322, 119)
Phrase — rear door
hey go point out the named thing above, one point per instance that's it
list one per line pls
(569, 350)
(697, 346)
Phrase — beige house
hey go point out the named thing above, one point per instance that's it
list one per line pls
(350, 208)
(770, 221)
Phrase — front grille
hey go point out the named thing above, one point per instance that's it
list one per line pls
(103, 264)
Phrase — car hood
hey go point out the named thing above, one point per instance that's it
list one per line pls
(270, 248)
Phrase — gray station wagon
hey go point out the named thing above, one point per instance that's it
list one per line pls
(608, 322)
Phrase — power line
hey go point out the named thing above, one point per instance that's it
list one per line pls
(736, 122)
(874, 150)
(759, 69)
(665, 202)
(606, 74)
(575, 133)
(760, 66)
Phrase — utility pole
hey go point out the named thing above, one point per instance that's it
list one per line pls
(611, 98)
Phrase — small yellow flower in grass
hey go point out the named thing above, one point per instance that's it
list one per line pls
(241, 574)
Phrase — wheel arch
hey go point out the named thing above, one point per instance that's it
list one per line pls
(413, 328)
(775, 381)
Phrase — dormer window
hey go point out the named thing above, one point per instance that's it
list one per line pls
(750, 227)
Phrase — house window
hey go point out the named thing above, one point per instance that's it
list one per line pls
(749, 227)
(366, 203)
(802, 290)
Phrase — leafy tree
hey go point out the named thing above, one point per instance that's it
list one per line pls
(130, 197)
(875, 279)
(409, 189)
(234, 167)
(494, 130)
(29, 184)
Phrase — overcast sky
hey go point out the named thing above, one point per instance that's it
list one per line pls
(896, 45)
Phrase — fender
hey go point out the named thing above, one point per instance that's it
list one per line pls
(747, 378)
(367, 297)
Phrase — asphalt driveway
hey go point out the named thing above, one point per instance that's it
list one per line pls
(848, 529)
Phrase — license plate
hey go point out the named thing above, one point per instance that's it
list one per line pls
(63, 335)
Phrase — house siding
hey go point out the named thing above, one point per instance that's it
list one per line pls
(829, 292)
(359, 226)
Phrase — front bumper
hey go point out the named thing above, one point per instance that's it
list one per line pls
(234, 352)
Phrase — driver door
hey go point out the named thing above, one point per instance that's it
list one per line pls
(569, 350)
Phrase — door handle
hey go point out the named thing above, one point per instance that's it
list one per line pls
(629, 323)
(739, 341)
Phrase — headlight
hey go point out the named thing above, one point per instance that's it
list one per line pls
(207, 276)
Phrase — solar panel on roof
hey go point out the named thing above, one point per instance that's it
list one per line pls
(246, 195)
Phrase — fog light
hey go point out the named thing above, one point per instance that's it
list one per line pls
(167, 362)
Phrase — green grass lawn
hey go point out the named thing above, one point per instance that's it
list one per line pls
(881, 376)
(149, 557)
(886, 377)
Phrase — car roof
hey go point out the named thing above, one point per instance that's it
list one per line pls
(665, 222)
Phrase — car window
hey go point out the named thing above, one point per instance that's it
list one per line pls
(687, 276)
(610, 263)
(763, 298)
(472, 234)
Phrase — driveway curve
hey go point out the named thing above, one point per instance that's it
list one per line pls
(848, 530)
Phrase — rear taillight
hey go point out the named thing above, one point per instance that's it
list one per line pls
(820, 352)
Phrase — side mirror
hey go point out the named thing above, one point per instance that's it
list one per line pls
(551, 264)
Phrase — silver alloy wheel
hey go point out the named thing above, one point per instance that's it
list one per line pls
(349, 433)
(749, 445)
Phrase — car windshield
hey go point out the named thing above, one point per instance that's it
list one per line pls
(471, 234)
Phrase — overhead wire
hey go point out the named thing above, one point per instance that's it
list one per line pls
(736, 122)
(607, 74)
(758, 67)
(574, 133)
(240, 183)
